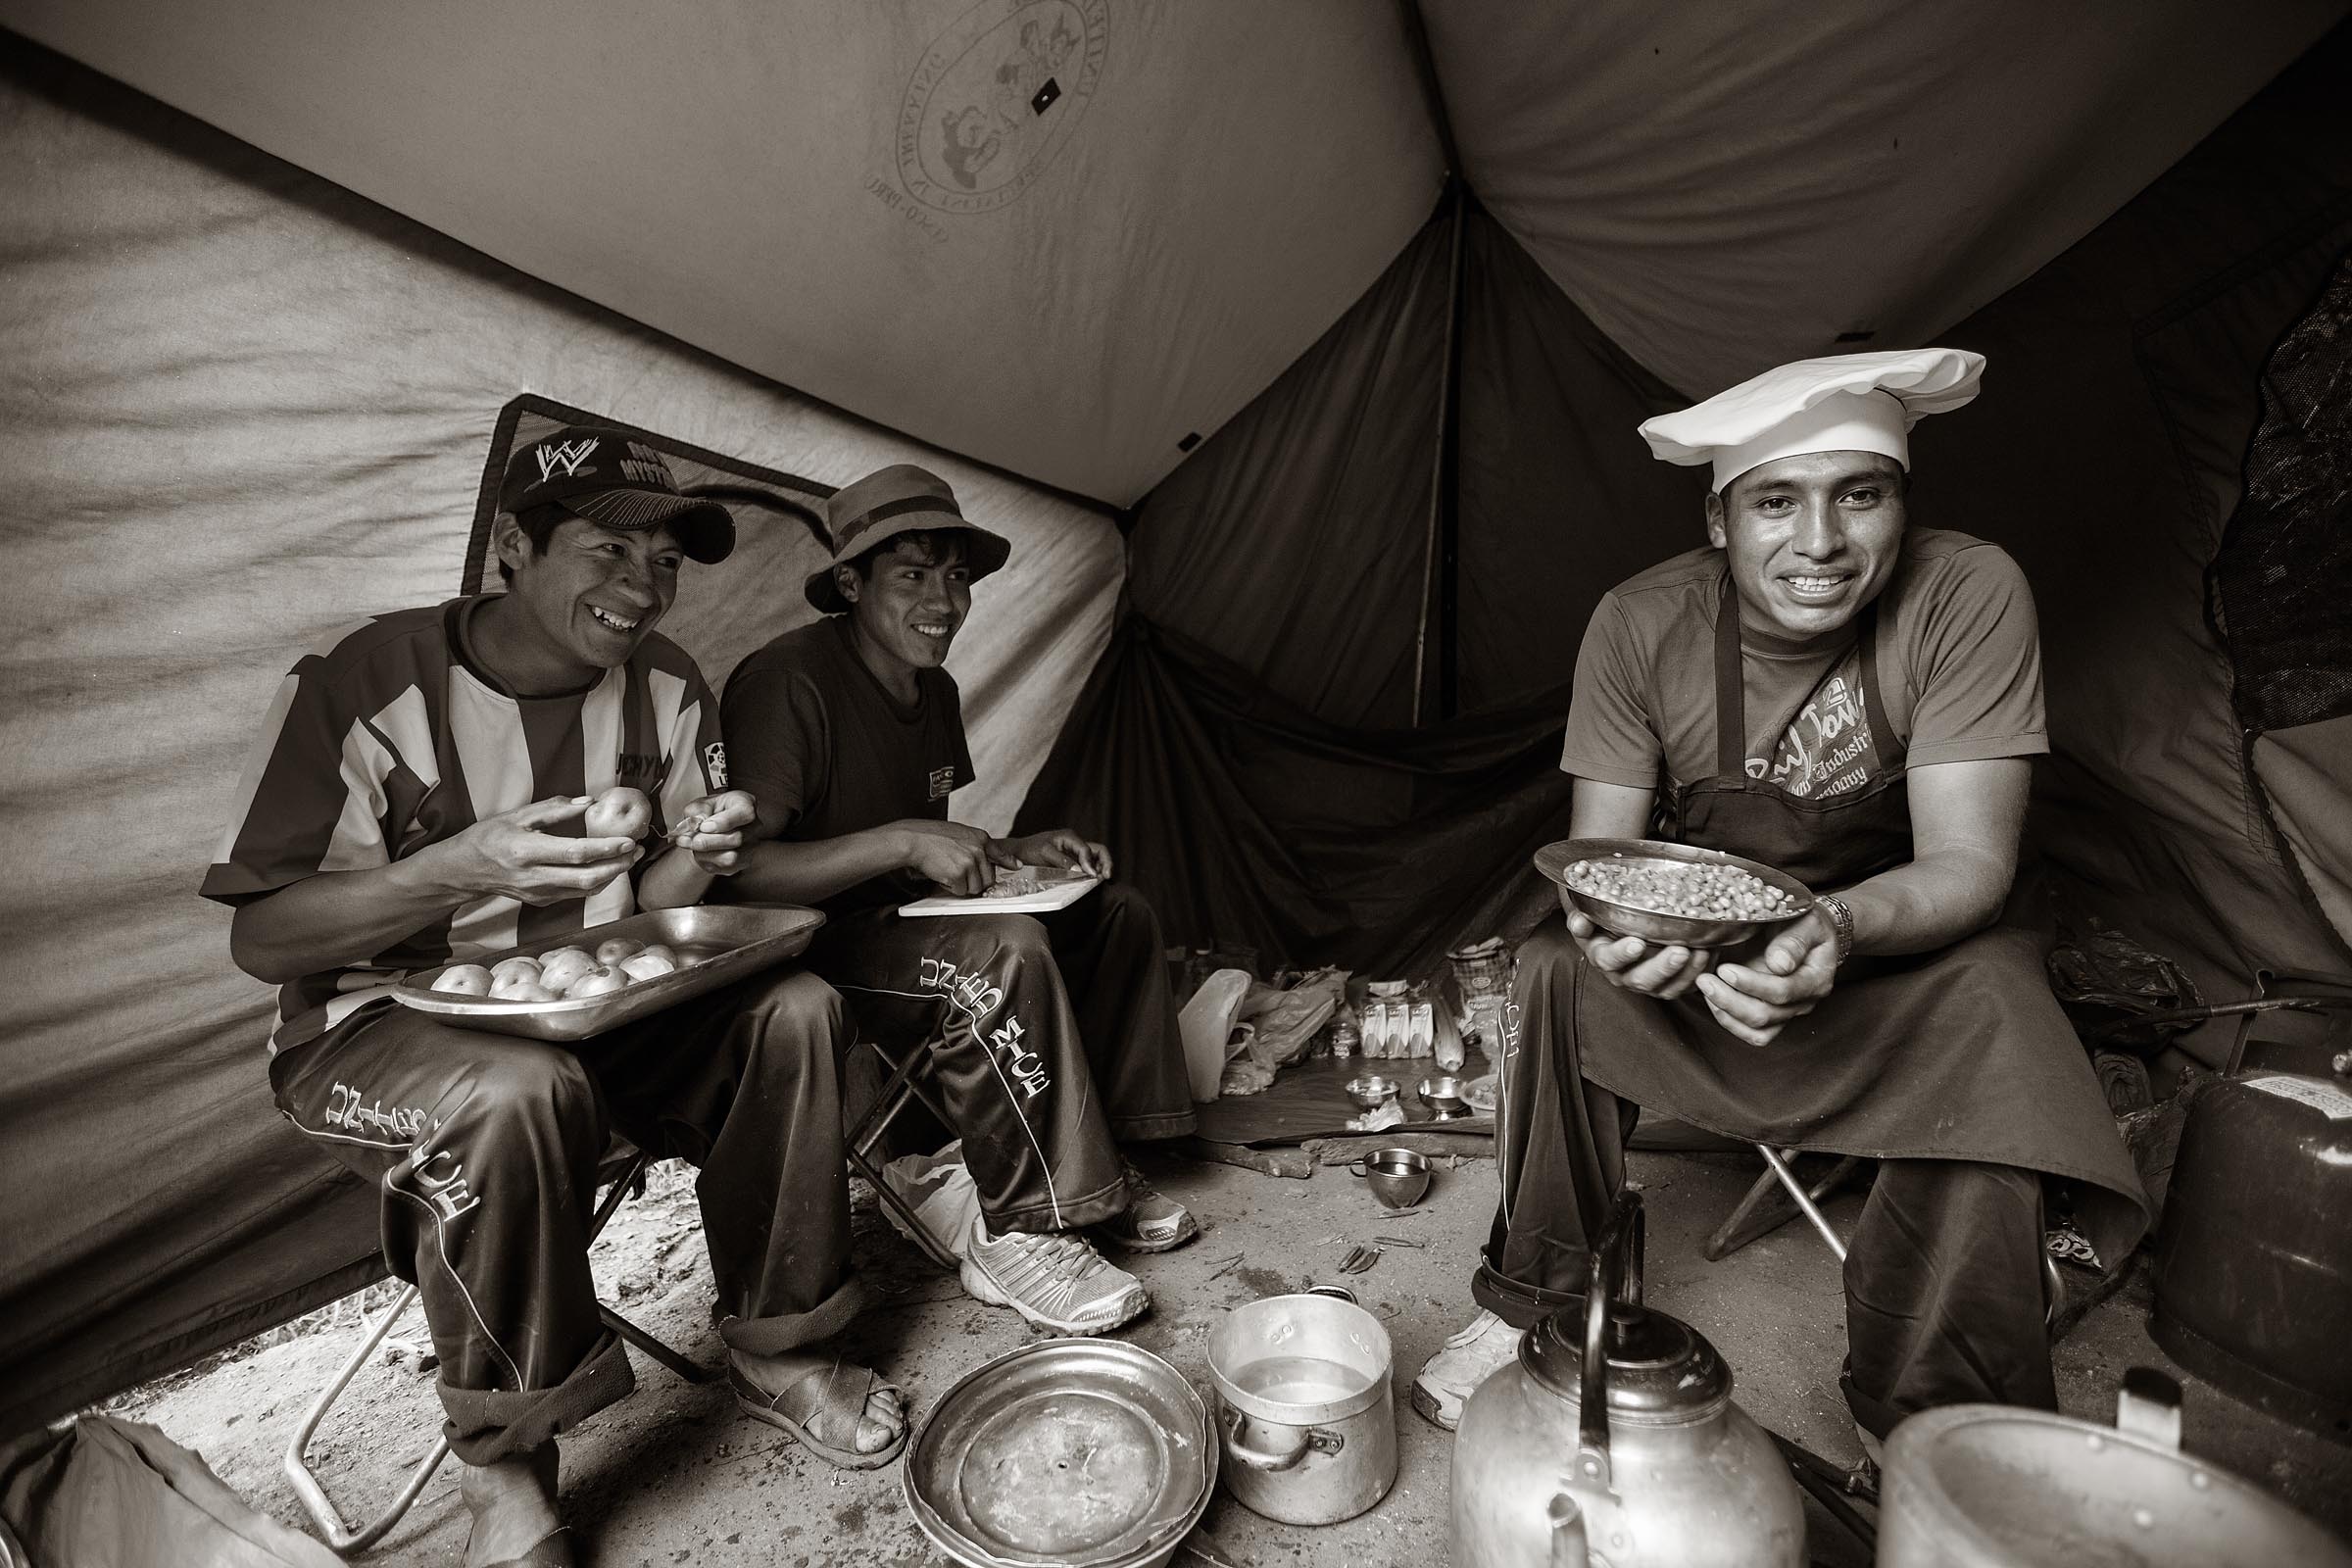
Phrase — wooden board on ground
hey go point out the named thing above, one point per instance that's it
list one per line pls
(1310, 1101)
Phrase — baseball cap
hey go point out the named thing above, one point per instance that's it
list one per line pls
(899, 499)
(617, 480)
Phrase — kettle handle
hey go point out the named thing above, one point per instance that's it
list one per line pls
(1616, 1275)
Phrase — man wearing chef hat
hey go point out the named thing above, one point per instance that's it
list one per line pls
(1833, 691)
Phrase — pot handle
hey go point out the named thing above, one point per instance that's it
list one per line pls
(1339, 1291)
(1311, 1439)
(1616, 1275)
(2148, 1405)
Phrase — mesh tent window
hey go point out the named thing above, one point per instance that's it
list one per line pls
(722, 612)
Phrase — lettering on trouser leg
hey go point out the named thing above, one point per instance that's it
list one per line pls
(1024, 1064)
(399, 1123)
(971, 991)
(446, 1190)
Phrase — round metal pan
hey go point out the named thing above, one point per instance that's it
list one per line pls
(1064, 1454)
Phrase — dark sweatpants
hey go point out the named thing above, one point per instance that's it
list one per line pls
(486, 1147)
(1048, 1037)
(1943, 1281)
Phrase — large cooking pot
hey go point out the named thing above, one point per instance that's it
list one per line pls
(2253, 1257)
(1613, 1441)
(1304, 1410)
(1991, 1486)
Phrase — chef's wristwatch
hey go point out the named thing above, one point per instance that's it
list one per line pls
(1840, 917)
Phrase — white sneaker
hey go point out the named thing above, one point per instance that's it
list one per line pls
(1469, 1359)
(1151, 1222)
(1056, 1281)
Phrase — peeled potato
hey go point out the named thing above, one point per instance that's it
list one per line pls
(595, 983)
(523, 991)
(514, 970)
(612, 950)
(660, 950)
(465, 980)
(646, 965)
(561, 967)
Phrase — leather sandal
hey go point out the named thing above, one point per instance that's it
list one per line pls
(761, 1405)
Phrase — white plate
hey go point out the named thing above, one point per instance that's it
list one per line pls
(1059, 892)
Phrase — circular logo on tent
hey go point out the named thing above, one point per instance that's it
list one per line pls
(995, 98)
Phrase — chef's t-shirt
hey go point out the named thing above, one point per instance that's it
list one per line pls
(827, 751)
(1959, 672)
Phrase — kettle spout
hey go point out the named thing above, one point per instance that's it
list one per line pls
(1567, 1523)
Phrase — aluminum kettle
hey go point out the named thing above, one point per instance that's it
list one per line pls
(1613, 1443)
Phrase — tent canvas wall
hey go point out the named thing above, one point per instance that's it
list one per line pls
(243, 404)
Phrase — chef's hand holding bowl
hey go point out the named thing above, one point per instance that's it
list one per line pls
(1753, 1001)
(1664, 970)
(711, 829)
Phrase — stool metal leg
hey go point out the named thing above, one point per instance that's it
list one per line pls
(341, 1537)
(1744, 1224)
(321, 1508)
(1805, 1199)
(899, 1090)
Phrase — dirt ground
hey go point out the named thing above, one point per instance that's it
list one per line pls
(673, 1476)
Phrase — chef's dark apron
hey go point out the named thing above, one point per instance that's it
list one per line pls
(1954, 1068)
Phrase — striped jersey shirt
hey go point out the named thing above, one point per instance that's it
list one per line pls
(381, 741)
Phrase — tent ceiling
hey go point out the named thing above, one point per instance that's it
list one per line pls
(1142, 247)
(1124, 257)
(1723, 187)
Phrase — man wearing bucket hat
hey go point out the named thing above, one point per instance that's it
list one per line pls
(1829, 690)
(1048, 1037)
(419, 797)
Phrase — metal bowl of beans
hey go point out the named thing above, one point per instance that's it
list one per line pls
(1671, 893)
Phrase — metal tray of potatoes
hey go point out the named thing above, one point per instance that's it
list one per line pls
(718, 944)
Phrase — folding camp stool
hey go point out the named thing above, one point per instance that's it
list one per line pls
(623, 1166)
(900, 1088)
(1743, 1224)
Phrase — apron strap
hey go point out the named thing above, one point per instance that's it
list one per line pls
(1890, 747)
(1731, 698)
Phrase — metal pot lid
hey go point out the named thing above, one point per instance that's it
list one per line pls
(1661, 1370)
(1073, 1453)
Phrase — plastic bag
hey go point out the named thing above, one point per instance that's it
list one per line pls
(1287, 1021)
(939, 1190)
(2118, 993)
(1207, 1025)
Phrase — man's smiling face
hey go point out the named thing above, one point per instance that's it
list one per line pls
(593, 593)
(911, 599)
(1809, 539)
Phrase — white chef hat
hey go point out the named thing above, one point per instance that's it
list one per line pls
(1844, 402)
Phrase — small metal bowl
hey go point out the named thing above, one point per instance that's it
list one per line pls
(1442, 1094)
(1398, 1177)
(1678, 930)
(1372, 1090)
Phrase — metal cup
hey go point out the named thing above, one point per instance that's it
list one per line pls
(1398, 1177)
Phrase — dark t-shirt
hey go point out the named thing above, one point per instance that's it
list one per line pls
(1959, 669)
(826, 751)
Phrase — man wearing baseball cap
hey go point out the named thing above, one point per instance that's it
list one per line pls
(1829, 690)
(1048, 1037)
(417, 797)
